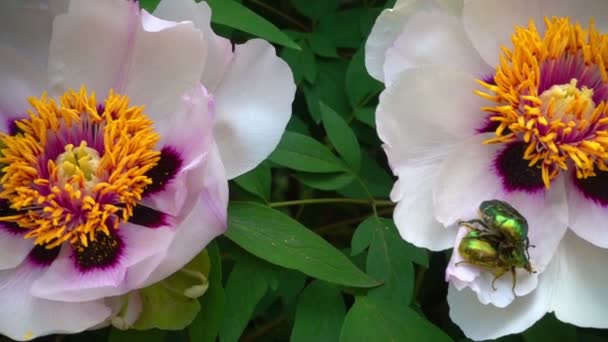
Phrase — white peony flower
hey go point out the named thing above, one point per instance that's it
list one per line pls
(120, 131)
(501, 100)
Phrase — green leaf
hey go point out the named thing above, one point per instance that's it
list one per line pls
(322, 45)
(550, 328)
(172, 304)
(342, 137)
(315, 9)
(256, 181)
(367, 115)
(319, 315)
(303, 153)
(388, 260)
(343, 27)
(328, 88)
(206, 325)
(326, 181)
(137, 336)
(379, 320)
(376, 178)
(235, 15)
(247, 284)
(359, 85)
(302, 63)
(277, 238)
(149, 5)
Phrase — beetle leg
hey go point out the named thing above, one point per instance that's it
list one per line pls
(514, 274)
(471, 224)
(496, 276)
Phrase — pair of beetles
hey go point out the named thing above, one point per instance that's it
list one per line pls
(497, 241)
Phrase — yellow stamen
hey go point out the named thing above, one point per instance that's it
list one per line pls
(559, 123)
(100, 190)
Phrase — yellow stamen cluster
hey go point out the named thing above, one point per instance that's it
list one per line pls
(83, 193)
(543, 120)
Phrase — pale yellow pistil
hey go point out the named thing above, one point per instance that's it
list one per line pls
(80, 161)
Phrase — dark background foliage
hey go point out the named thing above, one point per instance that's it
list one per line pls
(311, 252)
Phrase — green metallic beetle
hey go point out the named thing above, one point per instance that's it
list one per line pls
(498, 241)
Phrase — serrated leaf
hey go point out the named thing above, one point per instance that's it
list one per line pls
(326, 181)
(359, 85)
(235, 15)
(206, 325)
(379, 320)
(246, 285)
(256, 181)
(303, 153)
(341, 136)
(278, 239)
(165, 304)
(315, 9)
(319, 314)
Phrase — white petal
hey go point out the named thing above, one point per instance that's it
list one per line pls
(465, 180)
(13, 248)
(414, 214)
(125, 310)
(103, 45)
(490, 23)
(26, 26)
(587, 217)
(205, 221)
(19, 79)
(24, 317)
(253, 104)
(426, 112)
(484, 322)
(579, 288)
(143, 250)
(219, 49)
(433, 38)
(388, 27)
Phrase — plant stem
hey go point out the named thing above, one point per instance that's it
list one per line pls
(331, 200)
(282, 15)
(264, 329)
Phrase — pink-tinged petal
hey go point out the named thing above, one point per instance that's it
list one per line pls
(579, 288)
(219, 49)
(253, 106)
(389, 26)
(433, 38)
(19, 79)
(588, 208)
(414, 214)
(479, 280)
(186, 137)
(13, 248)
(490, 23)
(141, 251)
(484, 322)
(24, 317)
(425, 113)
(103, 45)
(26, 26)
(204, 221)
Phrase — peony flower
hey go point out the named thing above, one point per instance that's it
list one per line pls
(501, 100)
(119, 133)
